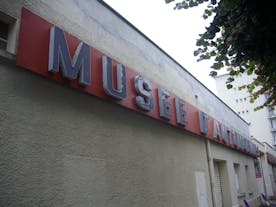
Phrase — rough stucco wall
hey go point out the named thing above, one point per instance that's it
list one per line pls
(268, 176)
(267, 170)
(91, 22)
(248, 181)
(60, 147)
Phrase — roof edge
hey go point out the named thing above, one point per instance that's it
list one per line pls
(165, 53)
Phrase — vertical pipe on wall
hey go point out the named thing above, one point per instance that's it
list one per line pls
(210, 167)
(261, 166)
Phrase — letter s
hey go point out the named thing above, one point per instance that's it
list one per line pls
(143, 87)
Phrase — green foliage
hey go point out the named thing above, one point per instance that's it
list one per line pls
(241, 37)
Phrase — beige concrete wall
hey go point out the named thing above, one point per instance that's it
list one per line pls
(268, 171)
(268, 175)
(262, 188)
(261, 185)
(61, 147)
(265, 184)
(248, 183)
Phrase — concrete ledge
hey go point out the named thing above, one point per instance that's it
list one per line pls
(7, 57)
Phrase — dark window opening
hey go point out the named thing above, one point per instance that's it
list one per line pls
(4, 30)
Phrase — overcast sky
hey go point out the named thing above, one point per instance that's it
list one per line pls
(175, 31)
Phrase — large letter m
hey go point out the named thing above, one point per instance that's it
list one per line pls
(59, 57)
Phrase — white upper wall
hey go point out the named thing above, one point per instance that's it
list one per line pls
(260, 126)
(94, 23)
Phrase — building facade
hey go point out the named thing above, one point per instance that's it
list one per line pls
(265, 164)
(93, 113)
(262, 122)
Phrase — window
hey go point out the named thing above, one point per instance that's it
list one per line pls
(274, 136)
(218, 185)
(257, 168)
(247, 177)
(237, 176)
(8, 28)
(273, 124)
(273, 112)
(4, 30)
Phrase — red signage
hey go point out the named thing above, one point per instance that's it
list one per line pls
(271, 159)
(257, 168)
(49, 51)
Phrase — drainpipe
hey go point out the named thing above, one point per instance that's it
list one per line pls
(261, 165)
(210, 167)
(265, 157)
